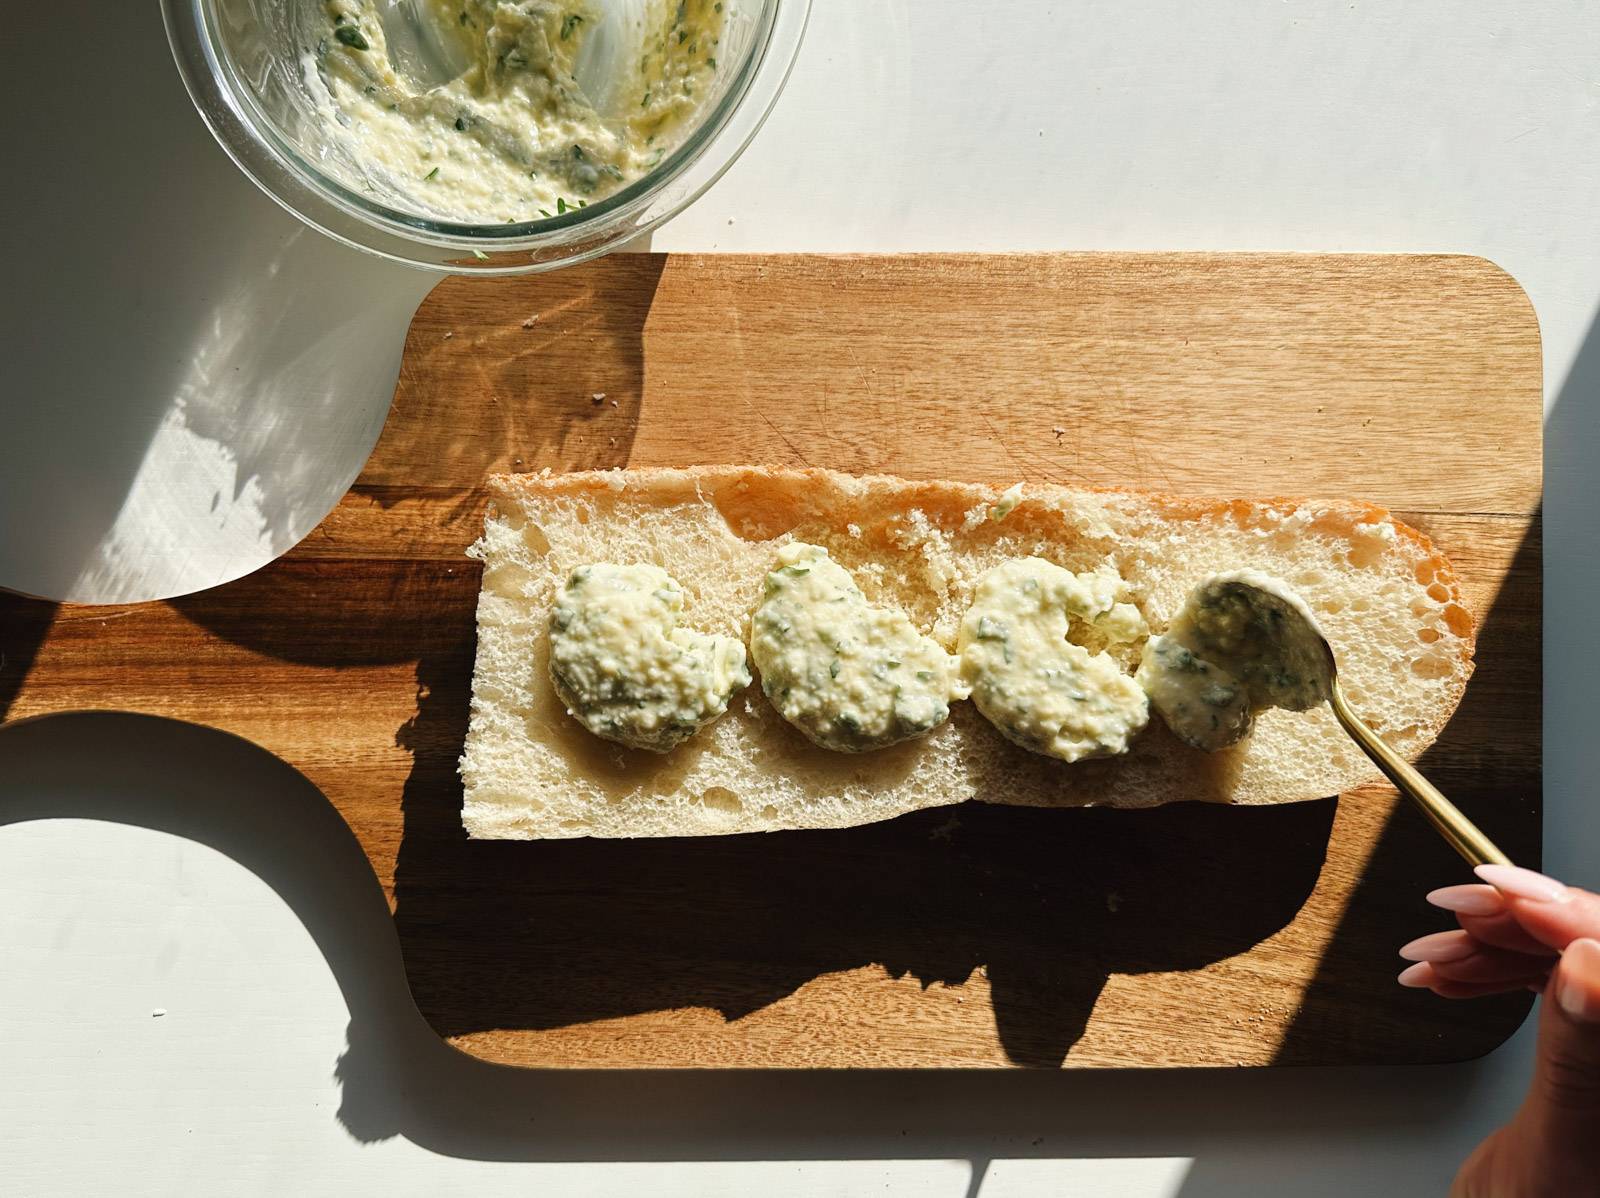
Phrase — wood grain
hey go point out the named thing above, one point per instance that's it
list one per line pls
(974, 936)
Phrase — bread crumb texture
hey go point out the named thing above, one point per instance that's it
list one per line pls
(1386, 598)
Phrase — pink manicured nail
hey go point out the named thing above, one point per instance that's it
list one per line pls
(1522, 883)
(1578, 981)
(1415, 976)
(1469, 899)
(1440, 946)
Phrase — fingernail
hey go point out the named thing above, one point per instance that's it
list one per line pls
(1469, 899)
(1440, 946)
(1415, 976)
(1522, 883)
(1578, 981)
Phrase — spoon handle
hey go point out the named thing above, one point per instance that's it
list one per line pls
(1462, 834)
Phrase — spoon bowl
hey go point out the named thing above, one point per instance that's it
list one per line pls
(1299, 626)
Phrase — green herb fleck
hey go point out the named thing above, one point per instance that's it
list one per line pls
(461, 124)
(433, 174)
(833, 670)
(350, 36)
(561, 204)
(1179, 659)
(480, 255)
(568, 23)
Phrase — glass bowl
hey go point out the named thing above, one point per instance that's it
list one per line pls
(240, 62)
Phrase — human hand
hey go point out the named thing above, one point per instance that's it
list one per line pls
(1526, 931)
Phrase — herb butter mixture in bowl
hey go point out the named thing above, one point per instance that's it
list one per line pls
(485, 134)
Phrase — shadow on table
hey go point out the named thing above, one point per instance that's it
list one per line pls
(24, 624)
(398, 1078)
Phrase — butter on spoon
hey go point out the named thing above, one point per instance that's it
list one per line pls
(1244, 642)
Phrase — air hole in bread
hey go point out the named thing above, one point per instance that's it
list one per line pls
(1439, 592)
(769, 812)
(752, 515)
(720, 798)
(1427, 635)
(1457, 620)
(510, 580)
(1366, 554)
(1431, 665)
(533, 537)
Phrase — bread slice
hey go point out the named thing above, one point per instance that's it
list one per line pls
(1386, 598)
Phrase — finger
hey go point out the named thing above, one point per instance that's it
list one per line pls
(1424, 976)
(1577, 990)
(1553, 914)
(1449, 989)
(1471, 899)
(1512, 881)
(1503, 931)
(1440, 946)
(1564, 1102)
(1494, 965)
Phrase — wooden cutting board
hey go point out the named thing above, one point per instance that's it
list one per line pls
(974, 936)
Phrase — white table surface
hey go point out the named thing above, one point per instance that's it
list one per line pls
(207, 997)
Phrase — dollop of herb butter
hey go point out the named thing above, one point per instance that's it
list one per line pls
(623, 667)
(473, 110)
(1037, 687)
(850, 674)
(1242, 642)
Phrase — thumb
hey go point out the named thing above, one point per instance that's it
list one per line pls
(1565, 1099)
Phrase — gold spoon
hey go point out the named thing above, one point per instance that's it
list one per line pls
(1464, 836)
